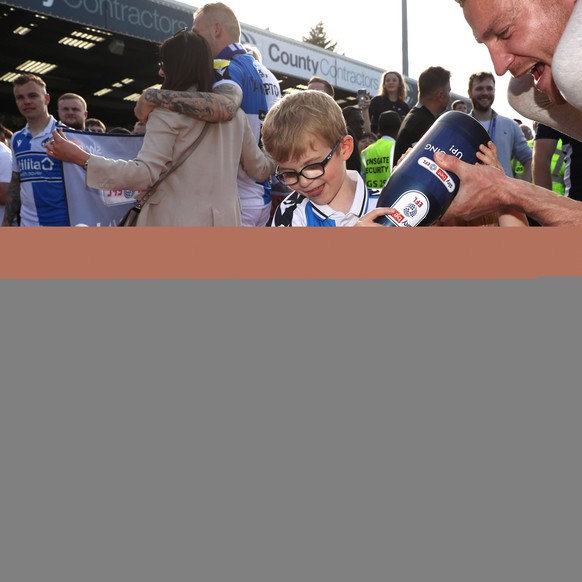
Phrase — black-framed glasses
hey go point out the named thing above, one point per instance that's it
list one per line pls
(311, 171)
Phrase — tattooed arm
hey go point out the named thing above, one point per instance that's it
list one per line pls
(220, 105)
(12, 209)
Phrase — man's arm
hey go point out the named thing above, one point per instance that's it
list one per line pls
(527, 172)
(12, 209)
(484, 189)
(4, 192)
(220, 105)
(522, 151)
(364, 103)
(543, 152)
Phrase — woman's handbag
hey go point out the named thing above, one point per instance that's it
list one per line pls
(131, 216)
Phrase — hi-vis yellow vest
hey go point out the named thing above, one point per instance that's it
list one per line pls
(377, 160)
(558, 169)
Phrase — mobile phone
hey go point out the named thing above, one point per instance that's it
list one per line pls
(362, 93)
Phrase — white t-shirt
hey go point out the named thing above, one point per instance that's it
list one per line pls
(5, 170)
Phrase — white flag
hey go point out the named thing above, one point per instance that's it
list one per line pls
(91, 206)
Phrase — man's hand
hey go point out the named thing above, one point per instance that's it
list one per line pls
(483, 188)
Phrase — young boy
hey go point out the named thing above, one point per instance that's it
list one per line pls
(305, 133)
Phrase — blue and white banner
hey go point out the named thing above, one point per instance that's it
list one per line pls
(90, 206)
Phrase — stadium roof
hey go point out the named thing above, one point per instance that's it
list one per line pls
(106, 51)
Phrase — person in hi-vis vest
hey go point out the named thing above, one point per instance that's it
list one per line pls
(378, 158)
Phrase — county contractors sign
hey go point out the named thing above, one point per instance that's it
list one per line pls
(303, 60)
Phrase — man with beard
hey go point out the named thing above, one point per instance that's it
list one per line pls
(504, 132)
(546, 88)
(72, 110)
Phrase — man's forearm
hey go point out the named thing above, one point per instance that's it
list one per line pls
(527, 172)
(220, 105)
(4, 192)
(12, 209)
(366, 116)
(542, 175)
(544, 206)
(485, 189)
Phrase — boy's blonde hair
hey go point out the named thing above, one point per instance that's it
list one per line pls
(294, 123)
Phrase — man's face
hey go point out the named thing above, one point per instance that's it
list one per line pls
(482, 94)
(72, 112)
(32, 101)
(521, 36)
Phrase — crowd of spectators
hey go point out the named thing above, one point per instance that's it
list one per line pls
(378, 130)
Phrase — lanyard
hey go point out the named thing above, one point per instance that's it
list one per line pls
(492, 126)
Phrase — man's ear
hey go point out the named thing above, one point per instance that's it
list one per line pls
(217, 29)
(347, 147)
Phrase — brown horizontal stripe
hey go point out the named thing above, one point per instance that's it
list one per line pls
(279, 253)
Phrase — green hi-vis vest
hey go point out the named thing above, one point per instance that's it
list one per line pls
(377, 163)
(558, 167)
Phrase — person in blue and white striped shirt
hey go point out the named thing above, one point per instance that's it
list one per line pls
(36, 195)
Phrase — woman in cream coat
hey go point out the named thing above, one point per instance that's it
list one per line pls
(203, 190)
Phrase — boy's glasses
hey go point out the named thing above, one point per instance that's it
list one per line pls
(311, 172)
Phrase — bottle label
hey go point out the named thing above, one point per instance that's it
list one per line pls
(411, 208)
(437, 171)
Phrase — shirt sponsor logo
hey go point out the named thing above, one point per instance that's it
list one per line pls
(36, 166)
